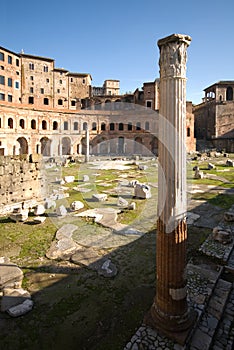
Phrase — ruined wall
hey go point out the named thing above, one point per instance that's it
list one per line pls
(20, 180)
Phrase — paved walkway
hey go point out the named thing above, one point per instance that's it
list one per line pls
(212, 296)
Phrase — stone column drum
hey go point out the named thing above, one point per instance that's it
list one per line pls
(169, 312)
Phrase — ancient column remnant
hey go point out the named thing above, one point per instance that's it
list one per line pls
(87, 145)
(169, 312)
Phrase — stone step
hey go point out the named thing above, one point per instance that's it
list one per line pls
(208, 325)
(224, 335)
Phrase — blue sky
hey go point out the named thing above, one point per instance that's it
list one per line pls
(118, 40)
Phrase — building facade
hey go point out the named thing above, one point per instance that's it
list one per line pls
(44, 109)
(214, 117)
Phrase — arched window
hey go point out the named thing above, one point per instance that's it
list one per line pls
(112, 126)
(94, 126)
(55, 125)
(146, 126)
(46, 101)
(75, 126)
(10, 123)
(129, 126)
(65, 125)
(21, 123)
(44, 125)
(85, 125)
(138, 126)
(121, 126)
(103, 126)
(33, 124)
(229, 93)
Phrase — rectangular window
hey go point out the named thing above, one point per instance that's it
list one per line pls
(73, 103)
(17, 84)
(31, 90)
(1, 56)
(71, 80)
(17, 62)
(10, 82)
(31, 77)
(2, 97)
(42, 91)
(9, 98)
(31, 100)
(10, 59)
(58, 91)
(2, 80)
(148, 104)
(47, 80)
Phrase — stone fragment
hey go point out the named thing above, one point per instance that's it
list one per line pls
(230, 163)
(221, 235)
(12, 297)
(122, 202)
(198, 174)
(39, 210)
(99, 197)
(11, 275)
(66, 231)
(211, 166)
(76, 205)
(49, 203)
(142, 167)
(39, 219)
(107, 269)
(69, 179)
(142, 191)
(62, 249)
(132, 206)
(19, 214)
(61, 211)
(21, 309)
(85, 178)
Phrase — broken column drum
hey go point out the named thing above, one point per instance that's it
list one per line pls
(169, 312)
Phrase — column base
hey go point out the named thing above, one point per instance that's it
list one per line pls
(175, 328)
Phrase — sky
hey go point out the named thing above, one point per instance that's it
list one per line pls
(118, 39)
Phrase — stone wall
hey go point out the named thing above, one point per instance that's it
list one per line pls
(20, 180)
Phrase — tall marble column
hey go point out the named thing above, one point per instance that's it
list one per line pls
(169, 312)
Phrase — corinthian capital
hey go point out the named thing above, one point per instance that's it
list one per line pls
(173, 55)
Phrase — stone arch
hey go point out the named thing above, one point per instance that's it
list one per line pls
(45, 146)
(229, 93)
(66, 146)
(138, 145)
(23, 145)
(103, 146)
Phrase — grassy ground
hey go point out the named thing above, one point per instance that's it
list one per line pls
(75, 308)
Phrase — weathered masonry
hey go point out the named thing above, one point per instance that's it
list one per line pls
(20, 180)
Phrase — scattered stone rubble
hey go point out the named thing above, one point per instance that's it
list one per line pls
(15, 300)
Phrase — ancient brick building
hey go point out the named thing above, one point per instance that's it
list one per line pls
(214, 117)
(44, 109)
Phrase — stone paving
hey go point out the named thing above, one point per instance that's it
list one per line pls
(212, 297)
